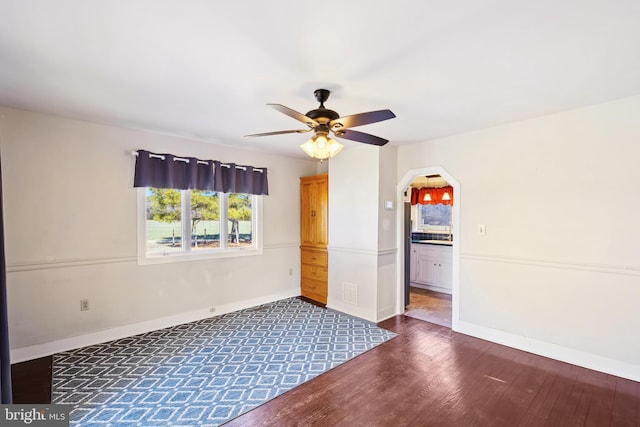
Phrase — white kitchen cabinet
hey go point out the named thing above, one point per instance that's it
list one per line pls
(446, 273)
(431, 265)
(413, 262)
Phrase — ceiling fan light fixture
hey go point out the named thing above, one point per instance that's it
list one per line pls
(320, 146)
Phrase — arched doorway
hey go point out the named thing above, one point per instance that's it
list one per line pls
(403, 184)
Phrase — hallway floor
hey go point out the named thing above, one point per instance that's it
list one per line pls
(430, 306)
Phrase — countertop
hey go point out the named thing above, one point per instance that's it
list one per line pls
(433, 242)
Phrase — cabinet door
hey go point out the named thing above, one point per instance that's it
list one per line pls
(321, 212)
(413, 267)
(424, 268)
(314, 222)
(446, 275)
(446, 268)
(430, 262)
(306, 208)
(432, 273)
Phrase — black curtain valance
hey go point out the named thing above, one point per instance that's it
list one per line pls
(189, 173)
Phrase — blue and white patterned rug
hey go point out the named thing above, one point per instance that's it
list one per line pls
(210, 371)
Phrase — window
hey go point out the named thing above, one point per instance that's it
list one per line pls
(239, 219)
(180, 225)
(434, 217)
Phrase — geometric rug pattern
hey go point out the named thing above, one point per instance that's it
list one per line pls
(207, 372)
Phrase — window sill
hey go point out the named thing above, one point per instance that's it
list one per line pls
(204, 256)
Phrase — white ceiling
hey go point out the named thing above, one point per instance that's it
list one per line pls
(205, 69)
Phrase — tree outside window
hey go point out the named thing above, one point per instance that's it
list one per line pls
(190, 221)
(239, 215)
(163, 220)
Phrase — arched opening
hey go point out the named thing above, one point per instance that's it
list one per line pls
(403, 184)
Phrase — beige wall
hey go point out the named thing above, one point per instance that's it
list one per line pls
(353, 230)
(362, 234)
(70, 228)
(558, 271)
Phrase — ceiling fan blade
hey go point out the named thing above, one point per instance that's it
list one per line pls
(280, 132)
(293, 113)
(362, 119)
(354, 135)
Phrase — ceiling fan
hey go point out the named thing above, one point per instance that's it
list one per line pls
(324, 121)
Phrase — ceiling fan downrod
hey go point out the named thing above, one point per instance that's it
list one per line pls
(322, 95)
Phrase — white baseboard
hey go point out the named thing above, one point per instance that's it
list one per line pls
(432, 288)
(552, 351)
(41, 350)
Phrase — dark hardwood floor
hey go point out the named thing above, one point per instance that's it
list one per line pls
(431, 306)
(432, 376)
(31, 381)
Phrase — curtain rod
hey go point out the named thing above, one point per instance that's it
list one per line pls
(202, 162)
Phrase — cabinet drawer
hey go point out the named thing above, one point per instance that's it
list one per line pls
(314, 272)
(430, 251)
(314, 257)
(310, 286)
(322, 299)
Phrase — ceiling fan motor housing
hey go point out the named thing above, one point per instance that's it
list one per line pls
(322, 115)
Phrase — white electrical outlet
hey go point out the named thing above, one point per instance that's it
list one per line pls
(212, 309)
(84, 304)
(291, 272)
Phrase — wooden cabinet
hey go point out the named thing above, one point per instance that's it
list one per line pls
(314, 233)
(432, 266)
(314, 272)
(314, 202)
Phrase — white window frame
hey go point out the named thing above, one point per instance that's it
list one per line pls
(201, 254)
(436, 229)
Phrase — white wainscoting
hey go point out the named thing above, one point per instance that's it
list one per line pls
(128, 299)
(580, 313)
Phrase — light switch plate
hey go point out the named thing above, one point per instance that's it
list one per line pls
(482, 229)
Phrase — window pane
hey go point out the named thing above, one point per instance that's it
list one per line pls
(163, 221)
(205, 219)
(435, 217)
(239, 220)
